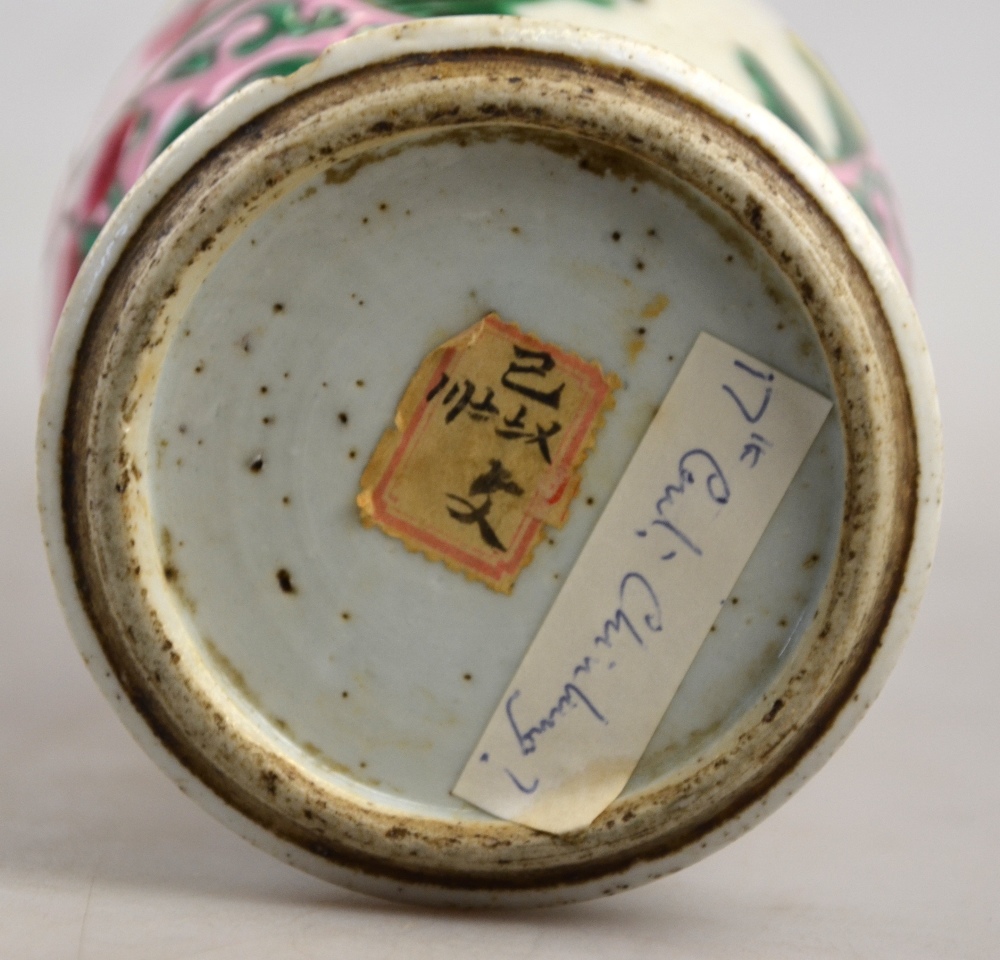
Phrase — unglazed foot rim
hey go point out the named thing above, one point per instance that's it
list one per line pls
(504, 78)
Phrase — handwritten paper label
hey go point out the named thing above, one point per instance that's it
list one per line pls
(667, 551)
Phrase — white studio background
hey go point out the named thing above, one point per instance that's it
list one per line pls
(892, 851)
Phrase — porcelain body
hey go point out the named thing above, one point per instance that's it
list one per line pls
(354, 665)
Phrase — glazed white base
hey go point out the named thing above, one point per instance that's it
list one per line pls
(888, 853)
(382, 668)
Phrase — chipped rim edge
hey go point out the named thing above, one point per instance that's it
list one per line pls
(468, 33)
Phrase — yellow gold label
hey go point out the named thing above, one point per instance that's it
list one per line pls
(486, 450)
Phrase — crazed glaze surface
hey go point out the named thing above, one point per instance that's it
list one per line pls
(212, 48)
(197, 504)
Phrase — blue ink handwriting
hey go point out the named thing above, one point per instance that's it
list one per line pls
(572, 696)
(715, 481)
(768, 392)
(670, 528)
(520, 786)
(621, 620)
(755, 449)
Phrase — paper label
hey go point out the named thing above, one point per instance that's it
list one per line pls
(486, 450)
(666, 553)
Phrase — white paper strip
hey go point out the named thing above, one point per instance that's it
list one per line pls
(667, 551)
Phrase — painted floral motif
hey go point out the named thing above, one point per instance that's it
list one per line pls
(209, 51)
(212, 48)
(450, 8)
(851, 158)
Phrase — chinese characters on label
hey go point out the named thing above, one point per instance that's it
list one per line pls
(486, 450)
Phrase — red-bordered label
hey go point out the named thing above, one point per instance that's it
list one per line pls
(486, 450)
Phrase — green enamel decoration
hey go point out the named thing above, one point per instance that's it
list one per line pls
(115, 195)
(851, 141)
(283, 19)
(86, 239)
(851, 137)
(774, 98)
(187, 119)
(281, 68)
(452, 8)
(208, 19)
(197, 62)
(143, 124)
(88, 233)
